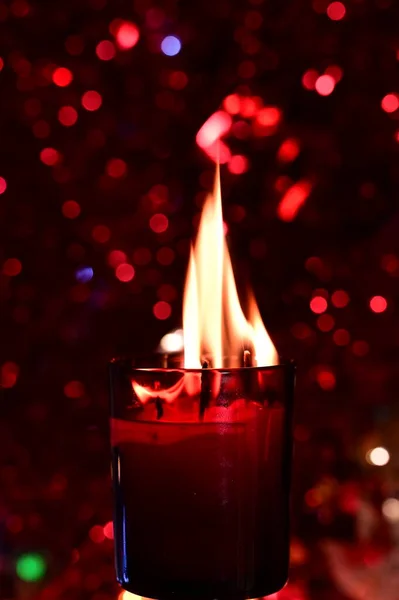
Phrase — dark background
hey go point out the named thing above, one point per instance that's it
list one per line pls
(81, 182)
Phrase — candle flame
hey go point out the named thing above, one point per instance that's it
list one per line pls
(215, 327)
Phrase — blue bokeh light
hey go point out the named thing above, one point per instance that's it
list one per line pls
(84, 274)
(171, 45)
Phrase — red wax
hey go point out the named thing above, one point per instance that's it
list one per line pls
(202, 507)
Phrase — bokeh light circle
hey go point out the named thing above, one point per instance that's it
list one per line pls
(171, 45)
(125, 272)
(378, 304)
(318, 305)
(336, 11)
(67, 116)
(105, 50)
(390, 510)
(162, 310)
(127, 35)
(91, 100)
(159, 223)
(62, 77)
(378, 457)
(3, 185)
(31, 567)
(390, 103)
(325, 85)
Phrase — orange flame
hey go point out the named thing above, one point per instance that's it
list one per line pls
(215, 327)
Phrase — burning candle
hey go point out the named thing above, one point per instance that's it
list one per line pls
(202, 450)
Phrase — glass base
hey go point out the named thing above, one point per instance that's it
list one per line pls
(199, 591)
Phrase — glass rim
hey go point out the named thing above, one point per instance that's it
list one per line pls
(284, 364)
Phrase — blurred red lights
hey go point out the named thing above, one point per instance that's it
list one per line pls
(155, 18)
(318, 305)
(105, 50)
(325, 85)
(109, 530)
(288, 150)
(237, 213)
(301, 331)
(91, 100)
(71, 209)
(1, 64)
(253, 19)
(101, 234)
(178, 80)
(116, 167)
(165, 256)
(242, 129)
(292, 200)
(67, 116)
(313, 498)
(158, 194)
(167, 292)
(269, 116)
(116, 257)
(246, 69)
(41, 129)
(32, 107)
(20, 8)
(390, 264)
(340, 299)
(162, 310)
(14, 523)
(238, 164)
(80, 293)
(325, 323)
(378, 304)
(232, 104)
(336, 11)
(159, 223)
(50, 156)
(74, 389)
(142, 256)
(127, 35)
(125, 272)
(74, 45)
(326, 379)
(248, 107)
(62, 77)
(3, 185)
(335, 72)
(12, 267)
(309, 79)
(341, 337)
(96, 534)
(9, 374)
(390, 103)
(217, 125)
(218, 152)
(360, 348)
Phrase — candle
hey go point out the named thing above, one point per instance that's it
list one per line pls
(201, 452)
(201, 505)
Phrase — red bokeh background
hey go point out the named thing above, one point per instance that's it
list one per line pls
(109, 116)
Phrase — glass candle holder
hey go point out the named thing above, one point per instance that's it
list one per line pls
(201, 464)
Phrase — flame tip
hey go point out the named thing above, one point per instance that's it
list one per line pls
(214, 322)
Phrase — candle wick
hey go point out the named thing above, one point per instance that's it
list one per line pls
(247, 359)
(159, 407)
(158, 402)
(205, 394)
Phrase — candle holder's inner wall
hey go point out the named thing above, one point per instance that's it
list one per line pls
(201, 470)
